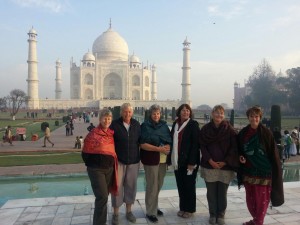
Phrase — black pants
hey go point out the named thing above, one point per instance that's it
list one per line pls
(101, 180)
(217, 198)
(186, 185)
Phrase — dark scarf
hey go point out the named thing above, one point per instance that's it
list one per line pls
(156, 133)
(210, 133)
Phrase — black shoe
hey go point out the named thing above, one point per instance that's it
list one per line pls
(152, 218)
(44, 146)
(159, 212)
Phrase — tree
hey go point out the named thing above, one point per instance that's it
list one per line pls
(15, 100)
(3, 104)
(263, 86)
(293, 88)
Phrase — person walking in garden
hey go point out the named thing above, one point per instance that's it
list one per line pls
(71, 126)
(47, 136)
(8, 135)
(287, 144)
(67, 126)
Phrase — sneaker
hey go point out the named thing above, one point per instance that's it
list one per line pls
(159, 212)
(152, 218)
(212, 220)
(221, 221)
(115, 219)
(130, 217)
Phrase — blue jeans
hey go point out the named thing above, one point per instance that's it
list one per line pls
(287, 151)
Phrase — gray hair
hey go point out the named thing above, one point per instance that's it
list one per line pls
(126, 106)
(154, 108)
(105, 112)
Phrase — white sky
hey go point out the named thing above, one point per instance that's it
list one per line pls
(228, 39)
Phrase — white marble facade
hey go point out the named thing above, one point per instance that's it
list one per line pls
(108, 73)
(106, 76)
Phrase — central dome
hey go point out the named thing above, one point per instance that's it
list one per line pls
(110, 46)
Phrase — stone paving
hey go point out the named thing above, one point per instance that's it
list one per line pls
(79, 209)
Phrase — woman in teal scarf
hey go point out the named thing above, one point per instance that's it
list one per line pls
(155, 145)
(260, 171)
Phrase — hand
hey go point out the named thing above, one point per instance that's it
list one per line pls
(164, 149)
(191, 167)
(168, 147)
(221, 164)
(214, 164)
(242, 159)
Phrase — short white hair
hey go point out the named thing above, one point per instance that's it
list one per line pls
(126, 105)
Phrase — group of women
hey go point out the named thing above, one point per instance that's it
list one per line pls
(251, 155)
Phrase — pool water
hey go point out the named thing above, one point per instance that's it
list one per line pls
(79, 184)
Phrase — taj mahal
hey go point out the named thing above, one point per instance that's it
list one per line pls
(106, 77)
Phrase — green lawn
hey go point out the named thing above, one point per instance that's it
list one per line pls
(39, 158)
(33, 126)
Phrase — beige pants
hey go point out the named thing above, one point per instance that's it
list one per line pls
(154, 181)
(127, 184)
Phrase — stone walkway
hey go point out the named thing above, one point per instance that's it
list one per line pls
(79, 209)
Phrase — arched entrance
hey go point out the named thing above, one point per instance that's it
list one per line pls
(112, 87)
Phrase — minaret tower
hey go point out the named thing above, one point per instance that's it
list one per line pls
(33, 81)
(58, 80)
(154, 84)
(186, 80)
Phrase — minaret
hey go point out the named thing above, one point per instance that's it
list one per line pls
(58, 80)
(154, 84)
(33, 81)
(186, 80)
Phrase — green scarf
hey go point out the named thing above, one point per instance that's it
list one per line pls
(258, 164)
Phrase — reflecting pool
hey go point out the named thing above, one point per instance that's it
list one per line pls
(79, 184)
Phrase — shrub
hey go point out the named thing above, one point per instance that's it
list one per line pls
(44, 125)
(56, 123)
(65, 118)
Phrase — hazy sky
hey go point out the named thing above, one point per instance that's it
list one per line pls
(229, 38)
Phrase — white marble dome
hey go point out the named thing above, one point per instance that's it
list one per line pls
(110, 46)
(32, 31)
(88, 57)
(134, 59)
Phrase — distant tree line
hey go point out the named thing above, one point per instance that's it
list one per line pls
(267, 89)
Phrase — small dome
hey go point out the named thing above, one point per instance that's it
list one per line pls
(110, 45)
(32, 31)
(134, 59)
(88, 57)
